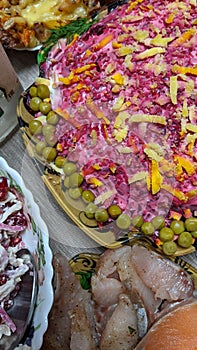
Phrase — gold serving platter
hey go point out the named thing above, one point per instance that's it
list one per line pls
(105, 237)
(155, 168)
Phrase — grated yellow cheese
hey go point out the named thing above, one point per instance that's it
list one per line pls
(149, 118)
(173, 89)
(150, 52)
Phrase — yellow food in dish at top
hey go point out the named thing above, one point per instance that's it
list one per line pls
(52, 12)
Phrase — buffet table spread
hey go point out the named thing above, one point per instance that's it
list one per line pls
(65, 237)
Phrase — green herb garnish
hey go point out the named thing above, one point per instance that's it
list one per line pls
(85, 279)
(79, 26)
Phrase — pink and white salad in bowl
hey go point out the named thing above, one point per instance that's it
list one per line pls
(22, 227)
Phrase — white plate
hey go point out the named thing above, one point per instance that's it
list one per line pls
(36, 239)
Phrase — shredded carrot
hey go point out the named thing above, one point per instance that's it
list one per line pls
(184, 37)
(170, 18)
(184, 70)
(133, 5)
(73, 41)
(103, 42)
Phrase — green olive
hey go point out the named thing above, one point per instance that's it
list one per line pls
(158, 222)
(75, 193)
(35, 127)
(169, 247)
(88, 196)
(66, 182)
(177, 226)
(194, 234)
(52, 118)
(48, 130)
(75, 180)
(59, 161)
(43, 91)
(51, 140)
(49, 153)
(123, 221)
(33, 91)
(147, 228)
(114, 211)
(69, 168)
(90, 210)
(185, 239)
(166, 234)
(35, 103)
(45, 107)
(191, 224)
(101, 215)
(40, 146)
(137, 221)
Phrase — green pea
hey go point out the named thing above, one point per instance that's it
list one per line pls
(90, 210)
(33, 91)
(158, 222)
(66, 182)
(114, 211)
(148, 228)
(75, 180)
(69, 168)
(194, 234)
(51, 140)
(123, 221)
(137, 221)
(166, 234)
(59, 161)
(185, 239)
(35, 127)
(191, 224)
(177, 226)
(49, 153)
(40, 146)
(75, 193)
(48, 130)
(43, 91)
(35, 104)
(45, 107)
(88, 196)
(169, 247)
(52, 118)
(101, 215)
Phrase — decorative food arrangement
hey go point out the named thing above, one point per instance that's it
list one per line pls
(29, 23)
(113, 119)
(113, 300)
(13, 221)
(19, 230)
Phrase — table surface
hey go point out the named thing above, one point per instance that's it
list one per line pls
(65, 236)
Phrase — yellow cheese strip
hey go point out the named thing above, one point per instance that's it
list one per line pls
(173, 89)
(149, 118)
(141, 175)
(175, 192)
(186, 164)
(150, 52)
(156, 177)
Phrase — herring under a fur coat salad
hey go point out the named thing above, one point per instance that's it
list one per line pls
(123, 100)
